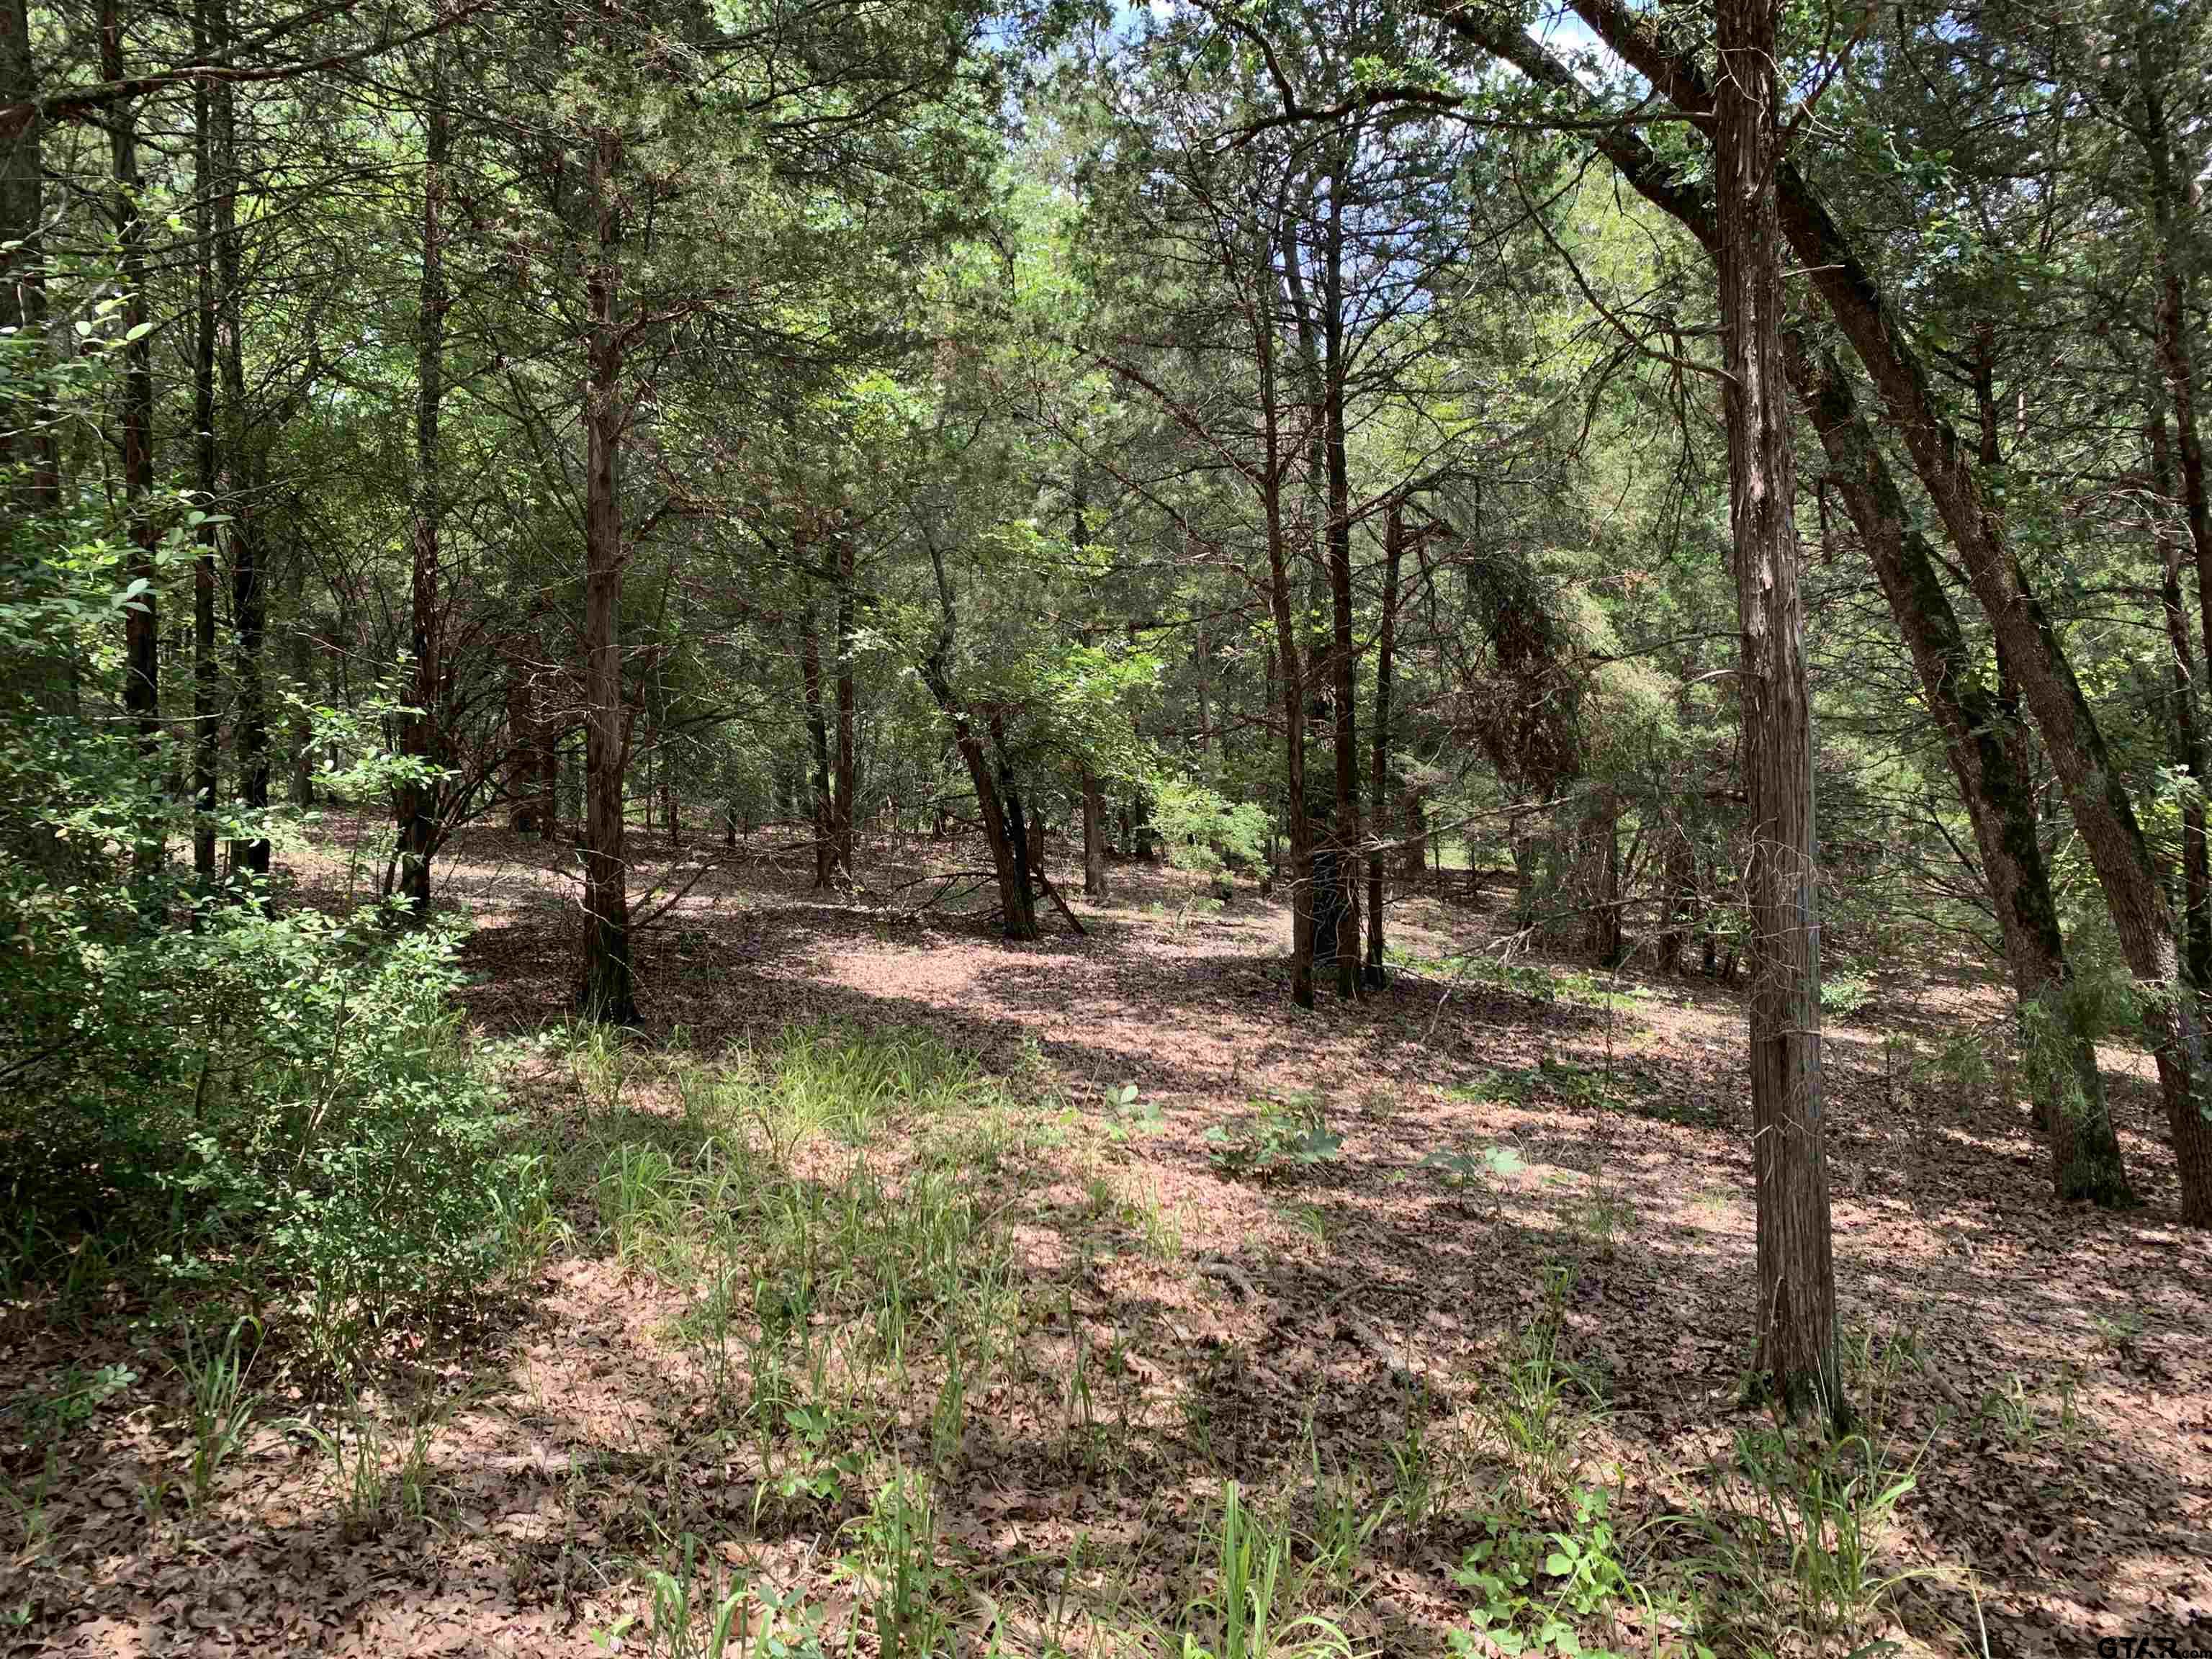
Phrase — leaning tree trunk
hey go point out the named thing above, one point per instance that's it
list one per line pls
(1797, 1272)
(607, 989)
(1987, 753)
(1984, 747)
(2095, 789)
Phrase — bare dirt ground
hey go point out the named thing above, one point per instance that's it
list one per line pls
(1330, 1312)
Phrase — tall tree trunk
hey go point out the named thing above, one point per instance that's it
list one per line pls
(819, 811)
(1987, 752)
(2187, 735)
(847, 779)
(2096, 788)
(1094, 838)
(420, 739)
(1796, 1271)
(607, 989)
(206, 725)
(249, 592)
(22, 266)
(1991, 766)
(1343, 663)
(142, 627)
(1386, 639)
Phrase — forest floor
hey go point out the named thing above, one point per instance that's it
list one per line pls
(938, 1288)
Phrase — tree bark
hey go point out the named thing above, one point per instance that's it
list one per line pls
(141, 631)
(1987, 753)
(420, 736)
(818, 749)
(2186, 734)
(2095, 787)
(1094, 838)
(206, 725)
(847, 781)
(1797, 1272)
(607, 988)
(1386, 639)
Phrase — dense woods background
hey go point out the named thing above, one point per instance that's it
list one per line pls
(1715, 492)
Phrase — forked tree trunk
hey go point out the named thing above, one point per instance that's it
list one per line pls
(607, 989)
(1796, 1273)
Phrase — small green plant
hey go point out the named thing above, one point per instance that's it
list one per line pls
(1274, 1138)
(1133, 1117)
(1469, 1169)
(1845, 996)
(1540, 1592)
(696, 1613)
(76, 1395)
(905, 1589)
(221, 1406)
(1248, 1610)
(1792, 1534)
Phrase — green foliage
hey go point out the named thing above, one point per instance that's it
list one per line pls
(1206, 831)
(1274, 1138)
(1843, 996)
(1539, 1592)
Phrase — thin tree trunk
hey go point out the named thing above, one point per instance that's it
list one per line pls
(1797, 1272)
(2177, 362)
(301, 666)
(249, 592)
(141, 637)
(818, 749)
(607, 988)
(206, 725)
(2187, 735)
(846, 781)
(420, 738)
(1386, 639)
(2095, 787)
(1094, 839)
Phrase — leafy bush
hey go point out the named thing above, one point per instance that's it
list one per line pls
(1846, 995)
(281, 1104)
(1275, 1137)
(1205, 830)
